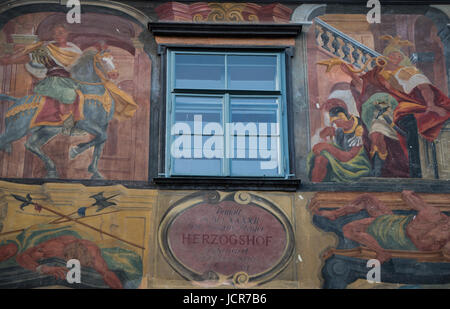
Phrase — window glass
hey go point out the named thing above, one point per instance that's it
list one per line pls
(254, 136)
(199, 71)
(225, 114)
(208, 108)
(197, 138)
(252, 72)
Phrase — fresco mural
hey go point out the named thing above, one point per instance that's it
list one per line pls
(374, 107)
(40, 232)
(408, 233)
(372, 102)
(70, 95)
(223, 12)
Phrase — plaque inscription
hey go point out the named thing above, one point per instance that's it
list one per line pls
(226, 234)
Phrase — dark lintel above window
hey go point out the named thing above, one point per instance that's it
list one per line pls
(224, 29)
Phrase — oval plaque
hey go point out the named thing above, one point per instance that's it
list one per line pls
(241, 236)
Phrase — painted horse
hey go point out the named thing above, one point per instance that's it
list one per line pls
(97, 114)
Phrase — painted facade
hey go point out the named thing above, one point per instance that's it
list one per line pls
(87, 171)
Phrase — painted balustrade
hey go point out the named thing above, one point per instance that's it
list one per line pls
(343, 46)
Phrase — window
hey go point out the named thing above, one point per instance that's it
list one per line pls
(226, 114)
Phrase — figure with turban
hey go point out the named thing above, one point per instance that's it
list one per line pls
(420, 106)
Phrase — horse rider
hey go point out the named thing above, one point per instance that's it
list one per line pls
(50, 62)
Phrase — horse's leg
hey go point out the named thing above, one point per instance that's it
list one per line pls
(38, 139)
(11, 135)
(93, 167)
(6, 140)
(100, 137)
(98, 141)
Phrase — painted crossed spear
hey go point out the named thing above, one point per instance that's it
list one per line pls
(26, 201)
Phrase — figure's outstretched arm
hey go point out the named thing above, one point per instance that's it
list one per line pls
(341, 155)
(26, 259)
(15, 59)
(354, 206)
(356, 78)
(362, 202)
(446, 250)
(425, 211)
(413, 200)
(428, 95)
(8, 251)
(101, 267)
(29, 260)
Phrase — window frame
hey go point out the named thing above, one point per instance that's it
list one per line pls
(281, 94)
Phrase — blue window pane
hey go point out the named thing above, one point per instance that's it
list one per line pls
(197, 136)
(254, 147)
(256, 110)
(253, 168)
(255, 155)
(204, 167)
(199, 71)
(255, 136)
(252, 72)
(205, 109)
(254, 120)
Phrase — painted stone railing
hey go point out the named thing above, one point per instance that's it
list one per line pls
(343, 46)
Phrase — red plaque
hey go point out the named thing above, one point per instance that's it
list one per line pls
(225, 235)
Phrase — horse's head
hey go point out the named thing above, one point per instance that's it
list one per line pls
(104, 60)
(94, 66)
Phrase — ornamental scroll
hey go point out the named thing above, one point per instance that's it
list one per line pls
(223, 12)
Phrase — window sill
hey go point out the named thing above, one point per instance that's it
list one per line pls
(221, 183)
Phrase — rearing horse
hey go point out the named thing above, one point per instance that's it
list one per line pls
(98, 109)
